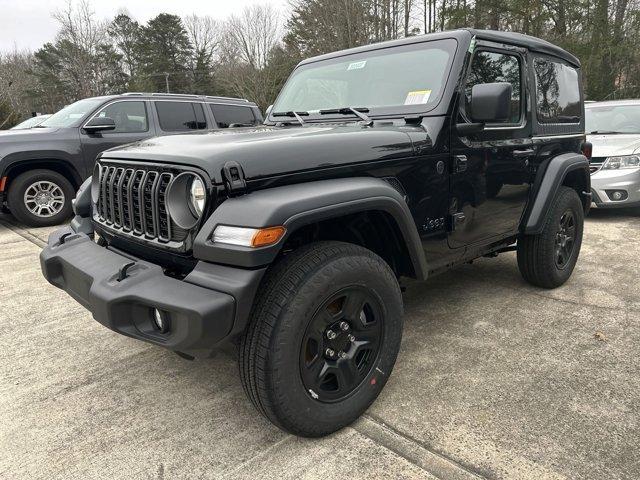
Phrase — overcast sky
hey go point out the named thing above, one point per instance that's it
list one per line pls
(27, 24)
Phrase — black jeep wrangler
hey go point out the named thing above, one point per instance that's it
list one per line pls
(401, 159)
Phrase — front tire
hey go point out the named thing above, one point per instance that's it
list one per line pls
(40, 198)
(323, 338)
(547, 259)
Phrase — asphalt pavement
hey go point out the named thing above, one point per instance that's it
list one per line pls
(495, 379)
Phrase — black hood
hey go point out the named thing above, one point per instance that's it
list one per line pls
(274, 151)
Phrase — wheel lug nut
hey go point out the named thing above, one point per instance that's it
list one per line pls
(344, 326)
(352, 338)
(331, 334)
(342, 355)
(329, 352)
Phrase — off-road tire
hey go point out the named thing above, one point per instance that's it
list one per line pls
(17, 206)
(537, 253)
(291, 292)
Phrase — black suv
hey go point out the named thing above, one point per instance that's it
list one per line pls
(41, 167)
(401, 159)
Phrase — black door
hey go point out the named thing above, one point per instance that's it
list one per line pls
(132, 123)
(489, 181)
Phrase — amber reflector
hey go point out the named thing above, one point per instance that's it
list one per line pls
(267, 236)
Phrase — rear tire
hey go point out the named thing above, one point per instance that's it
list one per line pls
(547, 259)
(40, 198)
(285, 366)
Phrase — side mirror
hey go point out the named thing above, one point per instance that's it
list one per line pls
(99, 124)
(268, 111)
(491, 102)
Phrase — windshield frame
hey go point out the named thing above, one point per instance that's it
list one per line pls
(603, 105)
(97, 103)
(397, 111)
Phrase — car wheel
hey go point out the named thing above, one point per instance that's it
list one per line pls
(40, 198)
(547, 259)
(323, 338)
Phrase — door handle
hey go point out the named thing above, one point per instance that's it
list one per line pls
(523, 153)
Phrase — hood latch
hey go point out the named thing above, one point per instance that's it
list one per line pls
(234, 178)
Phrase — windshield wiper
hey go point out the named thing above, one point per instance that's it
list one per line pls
(297, 115)
(357, 111)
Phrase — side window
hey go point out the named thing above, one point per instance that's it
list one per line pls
(180, 116)
(129, 117)
(557, 92)
(227, 115)
(492, 67)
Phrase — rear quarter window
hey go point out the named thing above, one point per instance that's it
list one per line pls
(557, 92)
(227, 115)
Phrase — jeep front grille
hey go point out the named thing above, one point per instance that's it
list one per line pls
(133, 200)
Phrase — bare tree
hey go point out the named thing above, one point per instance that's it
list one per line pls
(84, 36)
(16, 86)
(205, 35)
(254, 34)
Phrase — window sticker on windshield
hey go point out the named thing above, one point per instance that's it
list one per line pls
(357, 65)
(417, 97)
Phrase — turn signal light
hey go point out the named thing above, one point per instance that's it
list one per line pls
(248, 237)
(267, 236)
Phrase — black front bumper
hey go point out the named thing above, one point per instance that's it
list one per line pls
(200, 316)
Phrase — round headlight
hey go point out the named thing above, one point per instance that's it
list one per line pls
(186, 199)
(197, 196)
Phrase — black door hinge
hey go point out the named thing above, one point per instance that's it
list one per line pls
(234, 178)
(455, 220)
(460, 163)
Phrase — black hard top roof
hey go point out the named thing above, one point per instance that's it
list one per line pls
(465, 34)
(532, 43)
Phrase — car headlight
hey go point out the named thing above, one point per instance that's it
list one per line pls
(624, 161)
(197, 196)
(186, 199)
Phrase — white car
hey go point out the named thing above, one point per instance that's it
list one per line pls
(613, 128)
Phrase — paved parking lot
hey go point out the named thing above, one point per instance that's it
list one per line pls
(496, 379)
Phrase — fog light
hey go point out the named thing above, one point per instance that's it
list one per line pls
(161, 320)
(617, 195)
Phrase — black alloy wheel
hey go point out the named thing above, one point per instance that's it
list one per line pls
(341, 344)
(565, 239)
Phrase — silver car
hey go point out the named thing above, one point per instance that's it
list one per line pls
(613, 128)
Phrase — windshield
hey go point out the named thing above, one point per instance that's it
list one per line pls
(410, 75)
(72, 115)
(612, 119)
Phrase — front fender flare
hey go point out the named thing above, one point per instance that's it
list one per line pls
(547, 183)
(294, 206)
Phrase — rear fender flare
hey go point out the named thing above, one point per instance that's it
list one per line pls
(548, 182)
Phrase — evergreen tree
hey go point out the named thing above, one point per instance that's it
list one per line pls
(164, 54)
